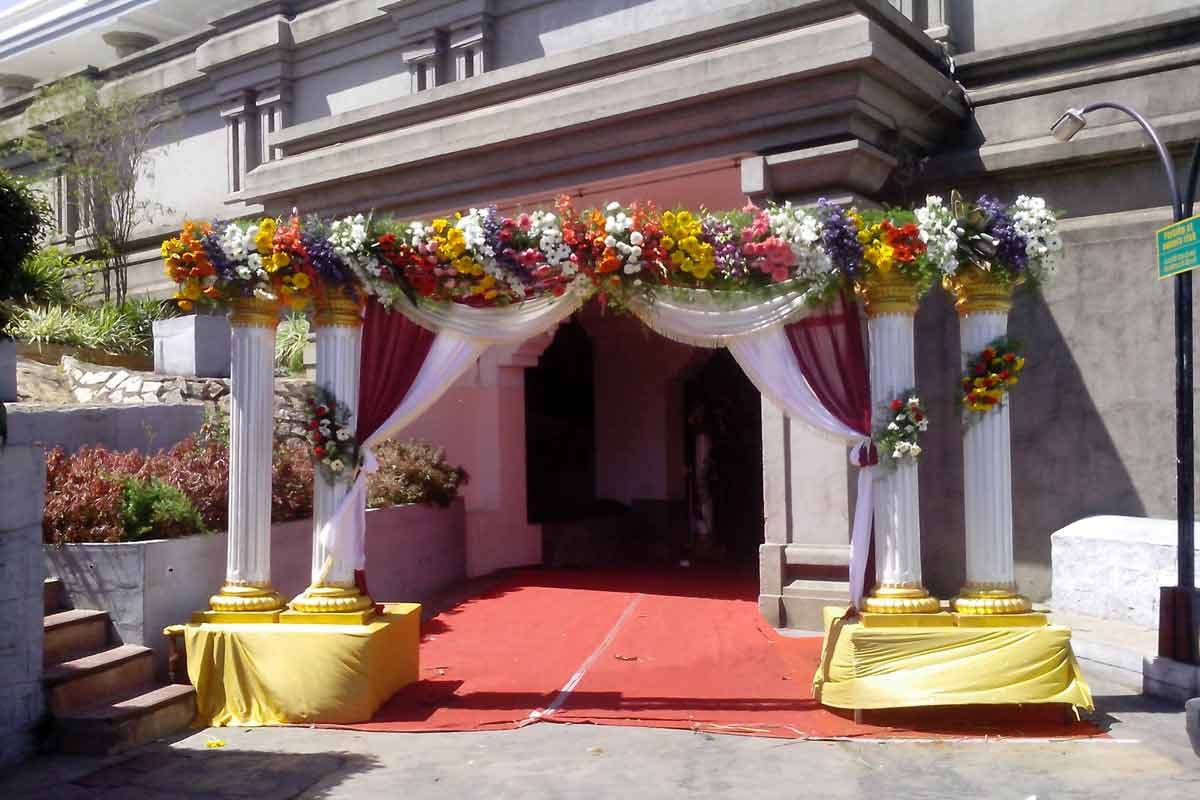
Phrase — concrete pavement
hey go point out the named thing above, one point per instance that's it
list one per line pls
(1148, 756)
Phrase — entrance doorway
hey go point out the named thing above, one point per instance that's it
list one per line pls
(723, 445)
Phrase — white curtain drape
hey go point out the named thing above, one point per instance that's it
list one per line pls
(751, 326)
(768, 360)
(705, 318)
(450, 356)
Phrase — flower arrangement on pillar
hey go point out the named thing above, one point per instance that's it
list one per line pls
(985, 250)
(899, 439)
(335, 451)
(988, 377)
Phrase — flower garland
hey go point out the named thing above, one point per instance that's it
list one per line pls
(334, 448)
(899, 438)
(989, 375)
(482, 257)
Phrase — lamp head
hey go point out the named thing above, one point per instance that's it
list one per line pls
(1069, 124)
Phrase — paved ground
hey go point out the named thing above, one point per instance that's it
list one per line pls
(1148, 757)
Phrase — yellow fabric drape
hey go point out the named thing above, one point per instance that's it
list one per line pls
(273, 674)
(870, 668)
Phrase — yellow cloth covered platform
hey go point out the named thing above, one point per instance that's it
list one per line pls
(271, 674)
(944, 665)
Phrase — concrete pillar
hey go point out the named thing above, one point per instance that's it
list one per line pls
(8, 371)
(891, 303)
(22, 485)
(251, 430)
(338, 324)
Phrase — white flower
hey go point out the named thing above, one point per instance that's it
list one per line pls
(939, 231)
(610, 241)
(632, 268)
(896, 453)
(636, 238)
(915, 450)
(343, 434)
(254, 261)
(337, 466)
(244, 272)
(613, 206)
(893, 426)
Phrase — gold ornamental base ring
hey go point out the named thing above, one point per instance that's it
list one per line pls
(331, 600)
(990, 600)
(901, 600)
(235, 598)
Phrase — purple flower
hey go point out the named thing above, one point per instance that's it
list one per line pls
(226, 269)
(727, 253)
(839, 235)
(326, 261)
(1010, 243)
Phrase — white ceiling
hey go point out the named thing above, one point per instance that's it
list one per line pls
(44, 39)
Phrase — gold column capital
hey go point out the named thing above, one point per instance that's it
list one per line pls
(888, 293)
(253, 312)
(977, 291)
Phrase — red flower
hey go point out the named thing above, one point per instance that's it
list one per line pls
(322, 411)
(980, 369)
(988, 354)
(1004, 375)
(918, 416)
(897, 405)
(319, 452)
(313, 425)
(1010, 357)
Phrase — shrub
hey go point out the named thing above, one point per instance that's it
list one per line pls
(84, 494)
(200, 469)
(413, 472)
(291, 482)
(153, 509)
(24, 220)
(52, 277)
(290, 340)
(124, 328)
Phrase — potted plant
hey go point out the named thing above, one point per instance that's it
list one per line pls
(24, 218)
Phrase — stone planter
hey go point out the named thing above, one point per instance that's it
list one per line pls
(412, 551)
(196, 345)
(8, 371)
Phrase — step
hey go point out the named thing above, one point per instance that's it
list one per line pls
(89, 681)
(69, 634)
(54, 596)
(804, 602)
(116, 726)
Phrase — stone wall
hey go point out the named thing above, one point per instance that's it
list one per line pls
(90, 383)
(22, 476)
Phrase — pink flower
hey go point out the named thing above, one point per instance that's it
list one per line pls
(779, 274)
(524, 222)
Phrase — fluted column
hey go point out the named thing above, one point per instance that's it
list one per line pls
(338, 323)
(987, 469)
(251, 429)
(891, 303)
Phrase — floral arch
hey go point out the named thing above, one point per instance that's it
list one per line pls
(777, 286)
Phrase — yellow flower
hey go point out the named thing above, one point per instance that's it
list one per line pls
(279, 261)
(301, 281)
(184, 305)
(297, 302)
(267, 225)
(439, 225)
(191, 290)
(668, 242)
(1019, 364)
(262, 243)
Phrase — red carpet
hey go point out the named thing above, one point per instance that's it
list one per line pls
(669, 649)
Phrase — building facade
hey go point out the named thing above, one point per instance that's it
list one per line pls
(412, 107)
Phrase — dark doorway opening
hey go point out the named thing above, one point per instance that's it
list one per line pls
(724, 417)
(560, 435)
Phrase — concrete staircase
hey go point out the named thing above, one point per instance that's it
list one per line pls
(101, 694)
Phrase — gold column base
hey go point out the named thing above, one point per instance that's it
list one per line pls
(235, 598)
(897, 599)
(990, 599)
(331, 600)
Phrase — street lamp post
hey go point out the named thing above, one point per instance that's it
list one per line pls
(1177, 606)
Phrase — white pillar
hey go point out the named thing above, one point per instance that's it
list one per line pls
(987, 470)
(890, 310)
(251, 430)
(339, 344)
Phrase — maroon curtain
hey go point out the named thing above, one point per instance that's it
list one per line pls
(829, 348)
(393, 350)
